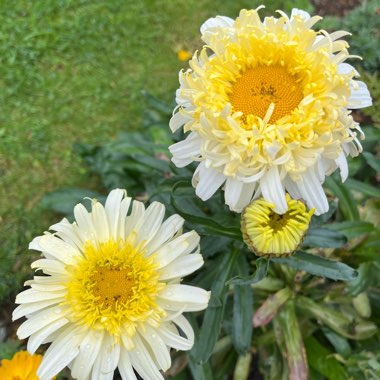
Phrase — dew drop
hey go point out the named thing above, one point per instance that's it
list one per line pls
(87, 346)
(58, 311)
(153, 336)
(138, 352)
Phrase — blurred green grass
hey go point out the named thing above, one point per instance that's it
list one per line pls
(74, 70)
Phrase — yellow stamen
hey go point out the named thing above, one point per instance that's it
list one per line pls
(255, 91)
(114, 287)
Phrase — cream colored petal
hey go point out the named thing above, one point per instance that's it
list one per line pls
(40, 336)
(273, 190)
(150, 223)
(142, 361)
(88, 351)
(39, 320)
(181, 245)
(157, 347)
(31, 307)
(107, 359)
(166, 231)
(183, 297)
(181, 267)
(125, 366)
(61, 352)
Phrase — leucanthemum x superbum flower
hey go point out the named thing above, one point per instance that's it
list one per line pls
(23, 366)
(111, 295)
(267, 233)
(267, 107)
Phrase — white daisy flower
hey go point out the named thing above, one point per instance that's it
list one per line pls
(267, 107)
(111, 295)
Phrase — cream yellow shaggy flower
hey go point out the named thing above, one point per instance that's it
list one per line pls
(110, 295)
(266, 104)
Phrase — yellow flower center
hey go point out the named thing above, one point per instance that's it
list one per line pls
(114, 287)
(259, 87)
(269, 234)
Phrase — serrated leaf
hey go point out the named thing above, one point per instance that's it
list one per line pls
(319, 266)
(324, 238)
(347, 203)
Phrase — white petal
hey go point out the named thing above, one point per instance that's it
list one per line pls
(107, 359)
(177, 120)
(312, 192)
(182, 267)
(181, 245)
(39, 321)
(84, 222)
(51, 267)
(137, 213)
(100, 221)
(166, 231)
(238, 194)
(68, 232)
(273, 190)
(125, 366)
(157, 347)
(299, 12)
(88, 352)
(360, 96)
(149, 224)
(61, 352)
(55, 248)
(172, 338)
(32, 295)
(143, 363)
(116, 208)
(209, 182)
(39, 337)
(345, 68)
(341, 161)
(32, 307)
(217, 22)
(186, 151)
(186, 297)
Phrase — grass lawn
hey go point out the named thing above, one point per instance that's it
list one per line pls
(74, 70)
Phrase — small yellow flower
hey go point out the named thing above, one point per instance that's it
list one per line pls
(270, 234)
(22, 366)
(183, 55)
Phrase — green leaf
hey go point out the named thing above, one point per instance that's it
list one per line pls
(372, 161)
(324, 238)
(63, 200)
(322, 360)
(261, 271)
(242, 310)
(295, 350)
(205, 225)
(341, 345)
(363, 188)
(347, 203)
(351, 229)
(213, 317)
(319, 266)
(200, 371)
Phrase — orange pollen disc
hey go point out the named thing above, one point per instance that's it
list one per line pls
(112, 285)
(260, 86)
